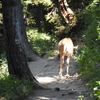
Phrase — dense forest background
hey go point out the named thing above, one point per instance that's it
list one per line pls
(45, 26)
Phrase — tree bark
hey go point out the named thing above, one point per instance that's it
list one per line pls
(14, 16)
(38, 17)
(15, 39)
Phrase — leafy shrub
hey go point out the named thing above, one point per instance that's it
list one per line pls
(12, 88)
(40, 42)
(89, 55)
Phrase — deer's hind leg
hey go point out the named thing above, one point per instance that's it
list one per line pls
(61, 65)
(67, 67)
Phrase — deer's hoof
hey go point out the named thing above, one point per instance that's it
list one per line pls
(67, 76)
(60, 76)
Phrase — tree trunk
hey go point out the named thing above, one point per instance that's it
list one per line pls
(38, 18)
(14, 16)
(16, 40)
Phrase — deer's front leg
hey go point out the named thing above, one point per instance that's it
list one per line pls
(61, 65)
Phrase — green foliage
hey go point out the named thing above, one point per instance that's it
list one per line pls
(51, 53)
(89, 55)
(95, 84)
(43, 2)
(12, 88)
(26, 2)
(56, 24)
(47, 20)
(40, 42)
(3, 65)
(37, 2)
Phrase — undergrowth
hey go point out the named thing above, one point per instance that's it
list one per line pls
(11, 88)
(40, 42)
(89, 55)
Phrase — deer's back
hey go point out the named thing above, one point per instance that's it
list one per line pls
(65, 47)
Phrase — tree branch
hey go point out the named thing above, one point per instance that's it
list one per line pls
(66, 12)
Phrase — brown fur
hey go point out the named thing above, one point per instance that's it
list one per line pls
(65, 47)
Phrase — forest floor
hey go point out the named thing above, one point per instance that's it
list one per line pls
(46, 72)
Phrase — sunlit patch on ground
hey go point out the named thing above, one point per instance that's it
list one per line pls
(45, 80)
(43, 98)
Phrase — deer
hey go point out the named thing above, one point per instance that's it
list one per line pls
(65, 48)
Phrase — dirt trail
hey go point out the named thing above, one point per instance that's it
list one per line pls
(46, 72)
